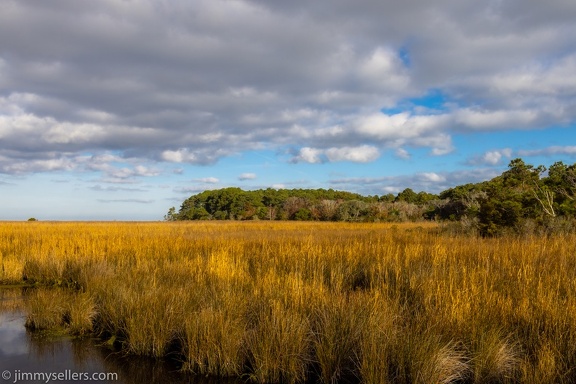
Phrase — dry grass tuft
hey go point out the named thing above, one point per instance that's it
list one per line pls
(278, 346)
(82, 313)
(497, 359)
(47, 309)
(316, 302)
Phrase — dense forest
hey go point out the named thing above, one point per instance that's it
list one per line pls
(524, 199)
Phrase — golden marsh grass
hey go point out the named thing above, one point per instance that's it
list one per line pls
(294, 302)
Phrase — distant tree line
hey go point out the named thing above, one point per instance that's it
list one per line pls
(301, 204)
(523, 199)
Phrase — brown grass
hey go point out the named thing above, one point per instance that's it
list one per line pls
(289, 302)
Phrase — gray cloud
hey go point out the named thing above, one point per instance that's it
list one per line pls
(207, 180)
(247, 176)
(550, 151)
(498, 157)
(139, 201)
(491, 158)
(101, 188)
(195, 81)
(434, 182)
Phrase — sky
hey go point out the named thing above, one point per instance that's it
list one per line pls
(121, 109)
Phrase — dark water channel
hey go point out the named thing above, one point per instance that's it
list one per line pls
(35, 357)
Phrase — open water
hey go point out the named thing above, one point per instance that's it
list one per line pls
(36, 357)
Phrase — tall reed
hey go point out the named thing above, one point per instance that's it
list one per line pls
(320, 302)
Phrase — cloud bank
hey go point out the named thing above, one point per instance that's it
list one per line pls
(103, 86)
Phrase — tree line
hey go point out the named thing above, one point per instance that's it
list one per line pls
(523, 199)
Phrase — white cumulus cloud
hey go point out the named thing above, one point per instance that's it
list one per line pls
(247, 176)
(208, 180)
(359, 154)
(494, 157)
